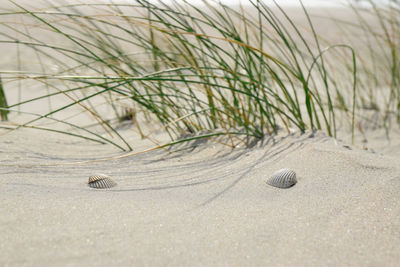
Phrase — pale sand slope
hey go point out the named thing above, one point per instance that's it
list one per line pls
(207, 207)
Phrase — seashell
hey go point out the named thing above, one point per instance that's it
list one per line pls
(283, 178)
(101, 181)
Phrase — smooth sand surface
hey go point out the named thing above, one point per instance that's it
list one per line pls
(208, 206)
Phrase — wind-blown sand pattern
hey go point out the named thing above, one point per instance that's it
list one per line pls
(210, 206)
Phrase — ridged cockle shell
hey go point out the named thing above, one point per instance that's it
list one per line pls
(283, 178)
(101, 181)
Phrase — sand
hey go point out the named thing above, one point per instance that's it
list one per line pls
(207, 205)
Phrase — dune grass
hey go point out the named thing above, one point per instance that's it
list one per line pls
(379, 60)
(384, 54)
(3, 103)
(187, 68)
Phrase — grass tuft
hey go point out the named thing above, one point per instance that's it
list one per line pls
(187, 68)
(3, 103)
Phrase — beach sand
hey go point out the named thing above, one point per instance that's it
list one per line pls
(204, 206)
(209, 206)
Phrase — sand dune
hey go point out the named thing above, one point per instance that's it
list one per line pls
(210, 206)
